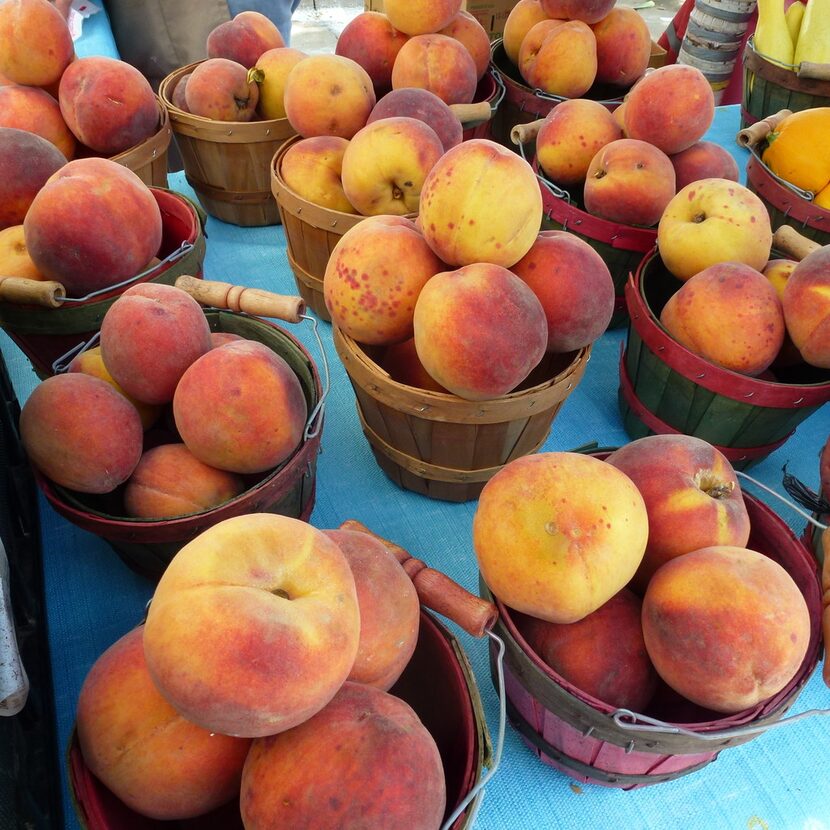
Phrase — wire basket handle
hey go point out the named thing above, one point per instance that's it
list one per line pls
(256, 301)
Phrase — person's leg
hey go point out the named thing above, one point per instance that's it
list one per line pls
(279, 11)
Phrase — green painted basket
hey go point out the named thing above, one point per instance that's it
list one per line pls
(665, 388)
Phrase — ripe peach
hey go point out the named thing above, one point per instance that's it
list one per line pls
(179, 96)
(704, 160)
(588, 11)
(532, 42)
(244, 38)
(220, 89)
(730, 315)
(79, 432)
(145, 752)
(14, 256)
(254, 625)
(421, 17)
(426, 106)
(480, 203)
(565, 62)
(328, 95)
(371, 40)
(557, 534)
(806, 303)
(671, 107)
(438, 63)
(402, 363)
(386, 163)
(692, 497)
(240, 408)
(725, 626)
(275, 65)
(577, 311)
(313, 169)
(390, 611)
(31, 109)
(26, 161)
(520, 20)
(623, 46)
(92, 193)
(108, 104)
(778, 272)
(35, 42)
(382, 768)
(473, 37)
(603, 654)
(479, 331)
(374, 276)
(571, 135)
(219, 338)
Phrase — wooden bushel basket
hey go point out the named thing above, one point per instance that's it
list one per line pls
(596, 744)
(148, 160)
(227, 163)
(148, 545)
(443, 446)
(665, 388)
(44, 334)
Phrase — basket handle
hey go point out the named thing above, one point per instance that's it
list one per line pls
(23, 291)
(758, 131)
(814, 71)
(525, 133)
(436, 590)
(472, 113)
(789, 241)
(255, 301)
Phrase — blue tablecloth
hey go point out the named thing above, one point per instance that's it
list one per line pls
(775, 782)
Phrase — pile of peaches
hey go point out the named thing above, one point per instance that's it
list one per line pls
(261, 677)
(632, 571)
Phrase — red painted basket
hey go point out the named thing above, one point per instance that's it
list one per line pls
(596, 744)
(490, 89)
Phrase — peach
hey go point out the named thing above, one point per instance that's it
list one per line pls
(532, 42)
(275, 65)
(623, 47)
(401, 361)
(26, 161)
(179, 96)
(480, 203)
(92, 193)
(222, 90)
(390, 611)
(35, 42)
(244, 38)
(421, 17)
(571, 135)
(253, 626)
(692, 497)
(328, 95)
(671, 107)
(14, 256)
(438, 63)
(557, 534)
(79, 432)
(108, 104)
(711, 221)
(725, 626)
(313, 169)
(704, 160)
(473, 37)
(603, 654)
(426, 106)
(806, 303)
(520, 20)
(219, 338)
(240, 408)
(577, 311)
(31, 109)
(386, 163)
(374, 276)
(588, 11)
(619, 117)
(778, 272)
(381, 768)
(170, 481)
(90, 362)
(479, 331)
(149, 336)
(728, 314)
(142, 750)
(630, 182)
(371, 40)
(566, 61)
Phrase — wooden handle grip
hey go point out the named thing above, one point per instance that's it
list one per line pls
(814, 71)
(760, 129)
(46, 293)
(436, 590)
(790, 242)
(238, 298)
(523, 133)
(472, 113)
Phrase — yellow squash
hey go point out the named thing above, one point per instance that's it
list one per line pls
(794, 15)
(814, 36)
(799, 151)
(772, 37)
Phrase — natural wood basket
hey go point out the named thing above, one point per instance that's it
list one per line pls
(443, 446)
(227, 163)
(148, 160)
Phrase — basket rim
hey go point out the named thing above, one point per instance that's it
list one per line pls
(785, 198)
(784, 76)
